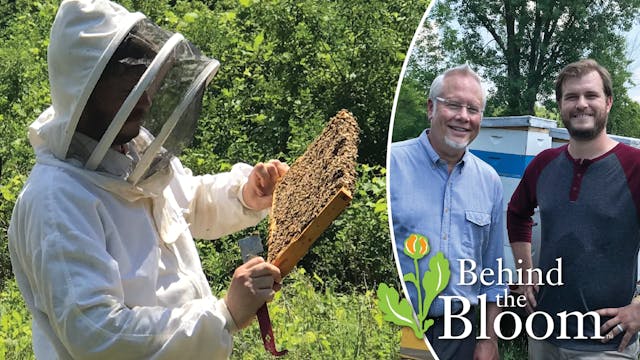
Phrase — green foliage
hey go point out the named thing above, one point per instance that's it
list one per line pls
(515, 349)
(624, 118)
(15, 325)
(288, 66)
(320, 324)
(396, 310)
(24, 93)
(519, 47)
(9, 188)
(522, 45)
(310, 323)
(411, 110)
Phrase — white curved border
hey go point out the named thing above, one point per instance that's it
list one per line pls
(389, 140)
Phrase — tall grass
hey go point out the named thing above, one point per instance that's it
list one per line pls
(314, 324)
(15, 324)
(310, 323)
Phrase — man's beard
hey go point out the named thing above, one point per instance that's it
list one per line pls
(600, 122)
(455, 145)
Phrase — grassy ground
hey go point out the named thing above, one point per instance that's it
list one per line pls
(311, 324)
(515, 349)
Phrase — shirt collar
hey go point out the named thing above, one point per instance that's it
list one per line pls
(433, 155)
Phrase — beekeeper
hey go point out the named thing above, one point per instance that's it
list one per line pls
(101, 237)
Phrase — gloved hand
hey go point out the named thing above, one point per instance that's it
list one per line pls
(253, 284)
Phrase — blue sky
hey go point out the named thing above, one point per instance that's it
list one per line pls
(633, 53)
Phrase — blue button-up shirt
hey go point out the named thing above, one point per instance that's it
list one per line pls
(461, 213)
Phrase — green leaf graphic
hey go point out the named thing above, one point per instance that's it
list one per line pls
(411, 277)
(395, 310)
(434, 281)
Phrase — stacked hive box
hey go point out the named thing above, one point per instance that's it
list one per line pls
(509, 144)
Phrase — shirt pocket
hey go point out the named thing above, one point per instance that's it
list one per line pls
(476, 231)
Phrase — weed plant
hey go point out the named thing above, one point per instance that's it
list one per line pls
(15, 325)
(322, 324)
(310, 323)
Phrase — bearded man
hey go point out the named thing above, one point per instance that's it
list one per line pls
(588, 192)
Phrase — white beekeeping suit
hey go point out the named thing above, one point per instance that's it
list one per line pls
(101, 237)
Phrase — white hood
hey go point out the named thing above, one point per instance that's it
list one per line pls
(84, 36)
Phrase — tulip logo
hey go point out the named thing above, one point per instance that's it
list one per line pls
(434, 281)
(416, 246)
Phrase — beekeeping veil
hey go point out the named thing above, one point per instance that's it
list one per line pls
(89, 37)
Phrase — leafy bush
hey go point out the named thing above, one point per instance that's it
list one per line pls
(15, 325)
(24, 93)
(320, 324)
(310, 323)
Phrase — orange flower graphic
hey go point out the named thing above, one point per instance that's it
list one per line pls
(416, 246)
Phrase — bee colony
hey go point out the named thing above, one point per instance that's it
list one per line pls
(317, 187)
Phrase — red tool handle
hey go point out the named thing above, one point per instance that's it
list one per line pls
(267, 331)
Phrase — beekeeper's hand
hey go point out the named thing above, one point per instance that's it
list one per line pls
(253, 284)
(257, 192)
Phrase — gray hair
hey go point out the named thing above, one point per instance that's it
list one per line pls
(465, 69)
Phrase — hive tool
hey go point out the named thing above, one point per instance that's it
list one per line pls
(249, 247)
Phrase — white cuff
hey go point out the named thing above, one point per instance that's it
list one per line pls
(230, 324)
(241, 196)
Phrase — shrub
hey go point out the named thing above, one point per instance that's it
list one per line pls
(313, 321)
(15, 325)
(310, 323)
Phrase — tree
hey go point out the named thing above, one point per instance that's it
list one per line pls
(411, 110)
(522, 44)
(425, 63)
(287, 66)
(624, 118)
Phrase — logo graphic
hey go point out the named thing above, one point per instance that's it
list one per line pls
(434, 281)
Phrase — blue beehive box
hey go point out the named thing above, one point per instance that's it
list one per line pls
(509, 144)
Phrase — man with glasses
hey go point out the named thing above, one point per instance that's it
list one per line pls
(440, 190)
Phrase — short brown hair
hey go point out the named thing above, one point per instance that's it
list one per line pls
(580, 69)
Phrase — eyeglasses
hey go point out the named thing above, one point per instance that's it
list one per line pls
(457, 107)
